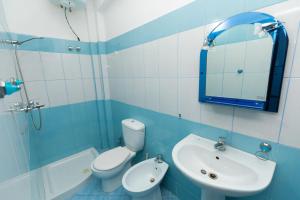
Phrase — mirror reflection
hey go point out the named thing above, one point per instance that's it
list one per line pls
(238, 64)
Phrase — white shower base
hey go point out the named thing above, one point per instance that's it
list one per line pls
(56, 181)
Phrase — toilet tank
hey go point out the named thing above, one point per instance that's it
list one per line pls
(133, 134)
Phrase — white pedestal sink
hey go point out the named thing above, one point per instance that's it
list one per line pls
(229, 173)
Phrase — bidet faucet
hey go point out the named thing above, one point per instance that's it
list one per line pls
(220, 145)
(158, 158)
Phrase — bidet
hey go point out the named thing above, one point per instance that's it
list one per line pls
(143, 179)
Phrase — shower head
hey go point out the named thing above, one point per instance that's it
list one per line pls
(24, 41)
(19, 43)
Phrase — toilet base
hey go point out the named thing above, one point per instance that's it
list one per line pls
(153, 195)
(113, 183)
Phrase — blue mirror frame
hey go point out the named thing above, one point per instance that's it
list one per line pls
(280, 46)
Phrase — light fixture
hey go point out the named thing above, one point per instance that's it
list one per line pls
(261, 29)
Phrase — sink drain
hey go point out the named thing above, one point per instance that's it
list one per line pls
(152, 180)
(212, 176)
(203, 171)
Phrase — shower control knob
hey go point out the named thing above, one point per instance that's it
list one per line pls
(78, 49)
(265, 147)
(240, 71)
(70, 48)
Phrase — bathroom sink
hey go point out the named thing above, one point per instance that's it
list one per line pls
(221, 173)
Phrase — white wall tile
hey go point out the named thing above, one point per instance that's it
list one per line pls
(296, 62)
(99, 92)
(2, 107)
(124, 62)
(136, 65)
(106, 88)
(99, 88)
(57, 92)
(128, 86)
(189, 105)
(110, 66)
(37, 91)
(168, 96)
(71, 66)
(86, 66)
(189, 48)
(290, 126)
(217, 115)
(101, 67)
(116, 64)
(13, 98)
(291, 21)
(152, 93)
(260, 124)
(97, 66)
(168, 57)
(31, 65)
(52, 63)
(89, 89)
(130, 63)
(7, 64)
(75, 91)
(138, 92)
(118, 89)
(151, 59)
(113, 88)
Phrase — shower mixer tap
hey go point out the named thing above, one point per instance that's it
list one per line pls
(22, 107)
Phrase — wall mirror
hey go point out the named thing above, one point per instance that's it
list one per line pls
(242, 62)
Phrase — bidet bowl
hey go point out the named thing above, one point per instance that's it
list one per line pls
(142, 180)
(219, 174)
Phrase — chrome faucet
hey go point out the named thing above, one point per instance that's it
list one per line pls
(158, 158)
(220, 145)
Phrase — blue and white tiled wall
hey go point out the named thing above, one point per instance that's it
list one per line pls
(151, 73)
(14, 134)
(69, 85)
(155, 79)
(163, 76)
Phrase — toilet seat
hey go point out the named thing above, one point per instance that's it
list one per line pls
(111, 159)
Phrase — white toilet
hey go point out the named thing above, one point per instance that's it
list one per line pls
(142, 181)
(111, 165)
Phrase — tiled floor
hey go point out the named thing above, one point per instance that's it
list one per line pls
(93, 192)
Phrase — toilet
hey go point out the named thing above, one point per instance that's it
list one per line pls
(111, 165)
(142, 181)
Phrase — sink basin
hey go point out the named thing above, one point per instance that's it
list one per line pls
(221, 173)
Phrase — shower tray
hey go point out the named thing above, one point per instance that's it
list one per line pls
(61, 179)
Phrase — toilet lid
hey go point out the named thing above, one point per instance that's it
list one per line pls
(111, 159)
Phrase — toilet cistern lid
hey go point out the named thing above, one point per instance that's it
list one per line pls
(133, 124)
(111, 158)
